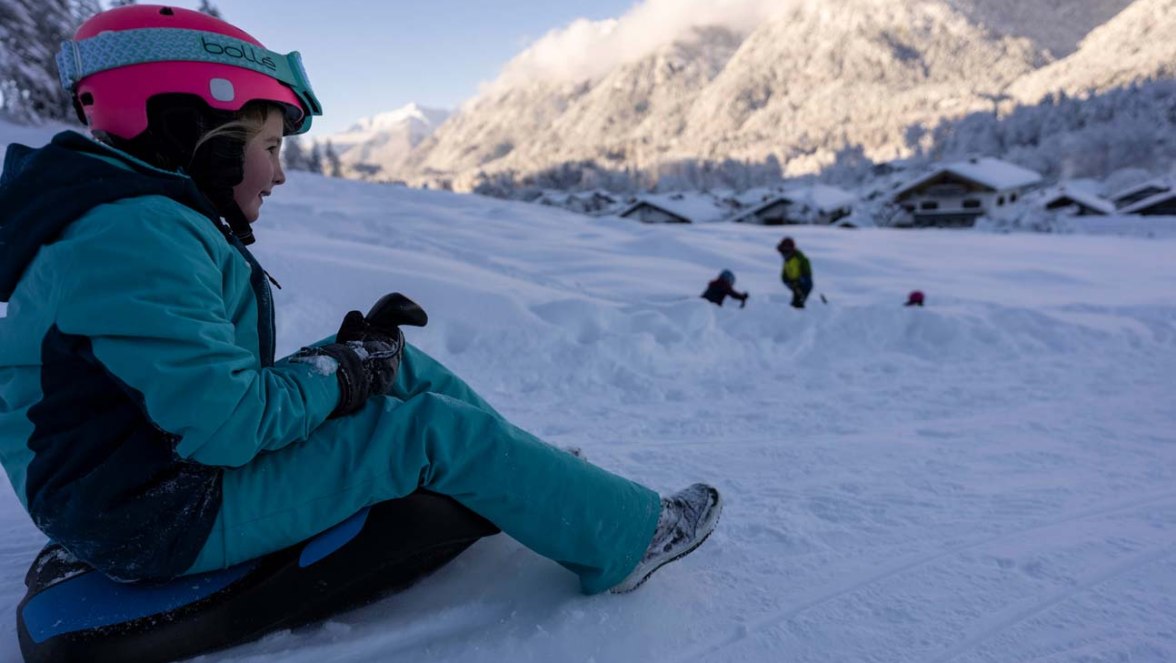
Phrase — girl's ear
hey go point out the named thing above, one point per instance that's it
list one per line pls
(177, 129)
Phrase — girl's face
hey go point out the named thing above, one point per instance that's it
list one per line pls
(262, 167)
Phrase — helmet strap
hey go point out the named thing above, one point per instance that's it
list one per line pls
(216, 168)
(239, 224)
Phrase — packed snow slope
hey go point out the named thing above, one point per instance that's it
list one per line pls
(990, 478)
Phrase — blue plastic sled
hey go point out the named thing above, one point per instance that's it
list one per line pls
(73, 613)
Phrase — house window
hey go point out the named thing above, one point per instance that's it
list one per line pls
(930, 204)
(971, 203)
(946, 190)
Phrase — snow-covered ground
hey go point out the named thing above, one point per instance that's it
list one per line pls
(990, 478)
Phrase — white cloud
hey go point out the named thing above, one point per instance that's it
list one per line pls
(586, 49)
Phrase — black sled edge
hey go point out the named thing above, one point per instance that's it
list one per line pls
(73, 613)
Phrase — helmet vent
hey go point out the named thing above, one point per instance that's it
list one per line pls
(86, 99)
(221, 89)
(167, 11)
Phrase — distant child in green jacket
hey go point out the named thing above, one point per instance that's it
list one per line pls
(796, 273)
(145, 423)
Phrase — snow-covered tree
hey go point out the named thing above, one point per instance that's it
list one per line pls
(851, 167)
(31, 32)
(1068, 136)
(334, 167)
(314, 160)
(207, 7)
(496, 185)
(293, 154)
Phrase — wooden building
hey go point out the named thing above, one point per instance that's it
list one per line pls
(956, 194)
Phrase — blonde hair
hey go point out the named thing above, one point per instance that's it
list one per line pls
(249, 122)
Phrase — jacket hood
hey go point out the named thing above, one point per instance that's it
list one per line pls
(43, 190)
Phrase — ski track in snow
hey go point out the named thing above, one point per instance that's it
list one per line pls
(1004, 620)
(858, 581)
(989, 479)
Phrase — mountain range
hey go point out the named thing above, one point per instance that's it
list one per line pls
(809, 80)
(378, 145)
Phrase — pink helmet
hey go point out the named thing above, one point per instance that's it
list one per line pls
(915, 298)
(122, 57)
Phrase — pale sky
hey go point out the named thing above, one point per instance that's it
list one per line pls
(370, 56)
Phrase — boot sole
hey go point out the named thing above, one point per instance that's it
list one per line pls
(714, 523)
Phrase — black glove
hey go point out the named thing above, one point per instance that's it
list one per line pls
(368, 349)
(743, 302)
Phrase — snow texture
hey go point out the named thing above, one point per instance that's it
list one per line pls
(987, 479)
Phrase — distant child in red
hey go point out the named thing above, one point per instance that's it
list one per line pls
(722, 288)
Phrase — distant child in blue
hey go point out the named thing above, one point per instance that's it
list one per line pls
(723, 287)
(145, 423)
(797, 273)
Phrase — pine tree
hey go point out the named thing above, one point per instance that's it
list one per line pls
(294, 154)
(333, 164)
(314, 163)
(207, 7)
(31, 32)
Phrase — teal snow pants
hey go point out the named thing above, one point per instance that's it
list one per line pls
(434, 432)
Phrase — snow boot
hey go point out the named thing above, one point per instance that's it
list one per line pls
(687, 518)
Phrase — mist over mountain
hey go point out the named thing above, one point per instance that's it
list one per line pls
(791, 82)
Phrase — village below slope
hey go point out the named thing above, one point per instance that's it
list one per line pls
(818, 116)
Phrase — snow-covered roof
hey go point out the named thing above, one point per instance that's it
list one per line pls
(1150, 201)
(820, 197)
(1080, 195)
(697, 207)
(1090, 186)
(594, 193)
(993, 173)
(756, 195)
(1158, 183)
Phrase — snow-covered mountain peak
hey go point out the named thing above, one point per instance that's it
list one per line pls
(413, 112)
(375, 146)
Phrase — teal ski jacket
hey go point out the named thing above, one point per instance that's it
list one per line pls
(136, 356)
